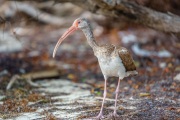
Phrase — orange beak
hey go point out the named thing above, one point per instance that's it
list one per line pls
(68, 32)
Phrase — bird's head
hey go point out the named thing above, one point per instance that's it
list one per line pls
(80, 23)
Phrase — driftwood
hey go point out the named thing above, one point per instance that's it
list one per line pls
(126, 10)
(145, 53)
(165, 22)
(33, 75)
(32, 11)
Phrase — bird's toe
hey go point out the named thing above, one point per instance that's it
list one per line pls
(100, 116)
(115, 114)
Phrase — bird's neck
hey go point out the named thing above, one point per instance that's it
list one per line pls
(90, 37)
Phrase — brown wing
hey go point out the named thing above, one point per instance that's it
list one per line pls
(126, 58)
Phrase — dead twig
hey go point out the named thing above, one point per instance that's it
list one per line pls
(28, 77)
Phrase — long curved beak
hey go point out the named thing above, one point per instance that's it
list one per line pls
(68, 32)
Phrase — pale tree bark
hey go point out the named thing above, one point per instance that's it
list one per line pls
(129, 11)
(166, 22)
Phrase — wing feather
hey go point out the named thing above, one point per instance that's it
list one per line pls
(127, 59)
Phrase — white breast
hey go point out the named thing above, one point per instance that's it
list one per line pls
(112, 66)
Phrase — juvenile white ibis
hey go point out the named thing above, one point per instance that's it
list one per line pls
(113, 61)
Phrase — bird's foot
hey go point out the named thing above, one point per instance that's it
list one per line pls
(100, 116)
(115, 114)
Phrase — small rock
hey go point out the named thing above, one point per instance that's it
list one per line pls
(177, 77)
(22, 118)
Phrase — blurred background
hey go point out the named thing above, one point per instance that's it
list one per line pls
(29, 31)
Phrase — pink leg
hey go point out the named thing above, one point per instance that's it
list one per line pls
(117, 92)
(100, 115)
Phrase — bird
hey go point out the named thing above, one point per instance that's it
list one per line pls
(114, 61)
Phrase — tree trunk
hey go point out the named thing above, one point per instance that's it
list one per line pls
(166, 22)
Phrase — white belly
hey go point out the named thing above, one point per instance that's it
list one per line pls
(112, 67)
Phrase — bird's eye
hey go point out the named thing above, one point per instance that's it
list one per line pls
(79, 22)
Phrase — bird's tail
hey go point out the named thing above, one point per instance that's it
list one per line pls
(131, 73)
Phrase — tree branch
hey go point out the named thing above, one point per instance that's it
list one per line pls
(136, 13)
(131, 11)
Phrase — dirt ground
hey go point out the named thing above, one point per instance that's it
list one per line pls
(152, 95)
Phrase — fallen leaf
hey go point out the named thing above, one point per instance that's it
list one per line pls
(144, 94)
